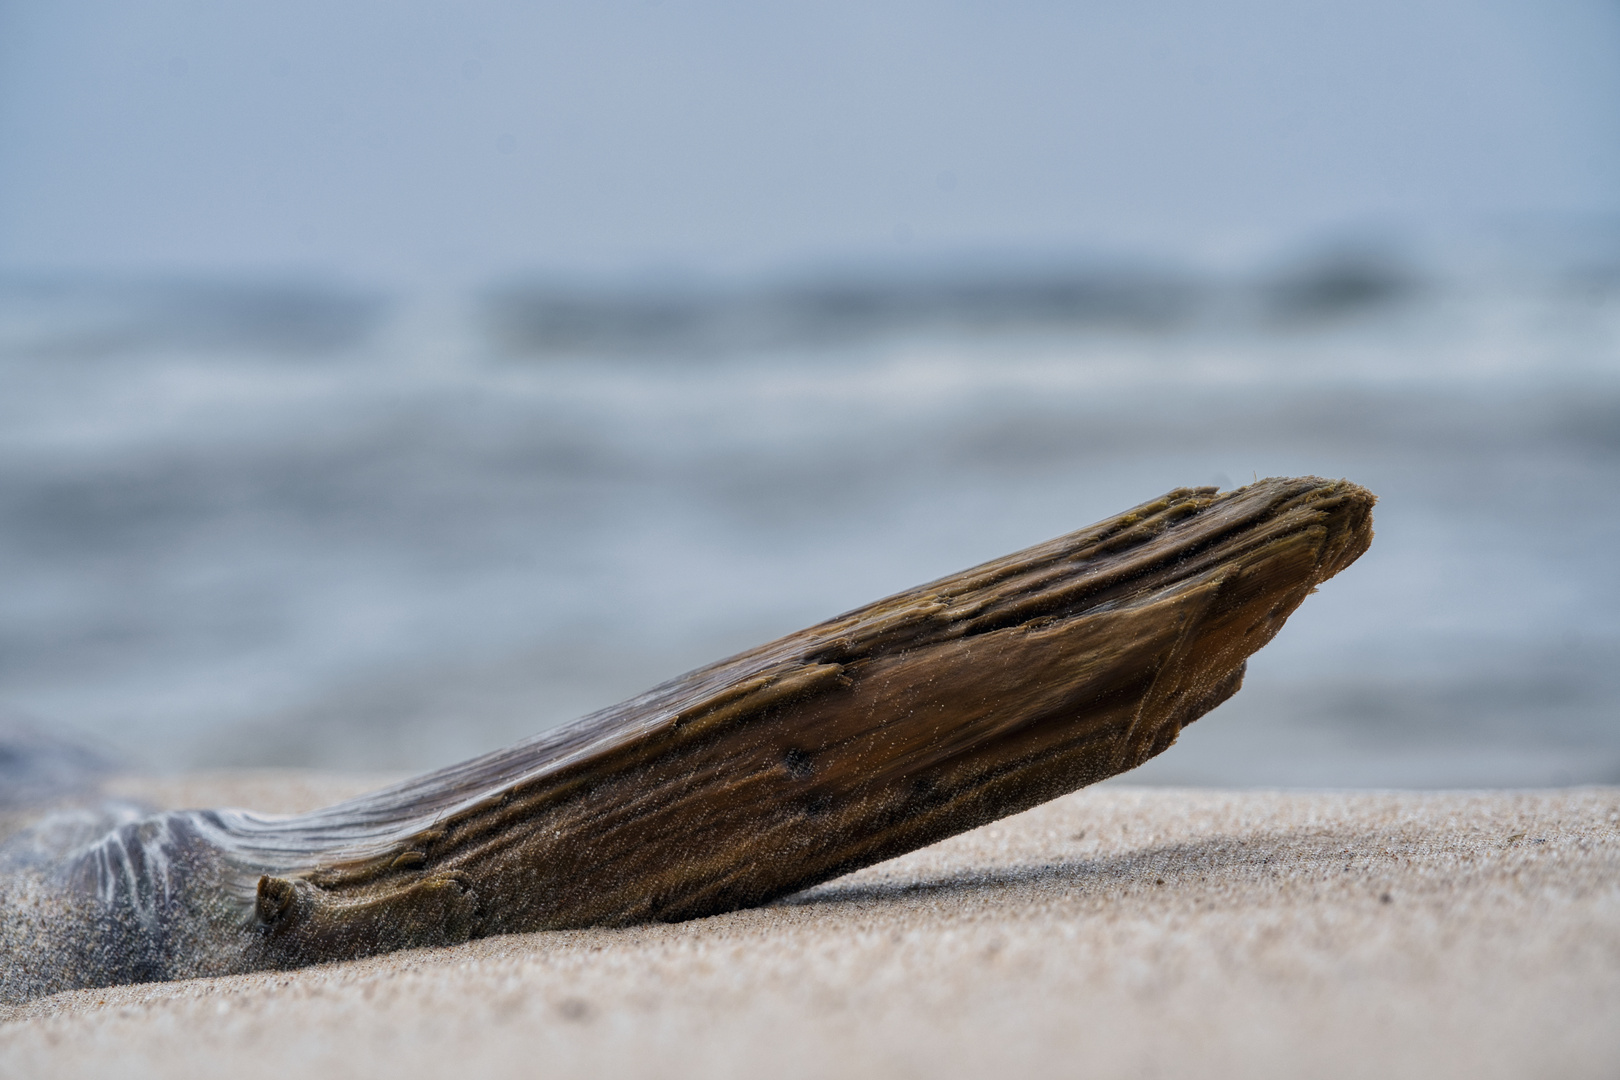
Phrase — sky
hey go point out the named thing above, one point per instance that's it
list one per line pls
(464, 141)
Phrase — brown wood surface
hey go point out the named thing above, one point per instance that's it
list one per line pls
(874, 733)
(866, 736)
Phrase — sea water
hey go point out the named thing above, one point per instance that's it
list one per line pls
(314, 526)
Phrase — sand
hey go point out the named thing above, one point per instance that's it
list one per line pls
(1118, 932)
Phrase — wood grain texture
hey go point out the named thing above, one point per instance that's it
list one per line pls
(882, 730)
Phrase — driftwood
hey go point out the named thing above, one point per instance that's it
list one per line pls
(869, 735)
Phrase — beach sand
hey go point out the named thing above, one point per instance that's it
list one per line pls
(1117, 932)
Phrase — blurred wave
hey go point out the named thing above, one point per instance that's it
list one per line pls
(294, 523)
(67, 318)
(542, 319)
(539, 320)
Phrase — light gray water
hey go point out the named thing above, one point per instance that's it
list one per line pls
(249, 526)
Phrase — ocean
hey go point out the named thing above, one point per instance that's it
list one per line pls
(302, 524)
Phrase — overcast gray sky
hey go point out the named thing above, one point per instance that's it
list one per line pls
(410, 140)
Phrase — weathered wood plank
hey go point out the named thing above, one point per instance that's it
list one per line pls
(869, 735)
